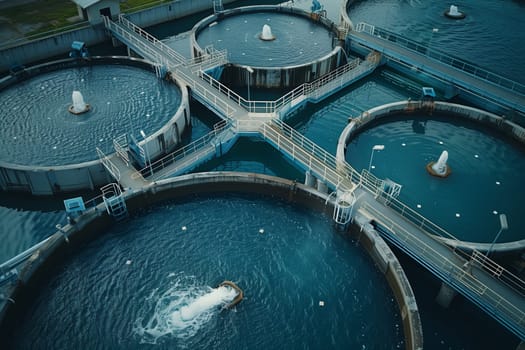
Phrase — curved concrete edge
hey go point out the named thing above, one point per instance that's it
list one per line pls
(54, 179)
(268, 77)
(344, 13)
(506, 127)
(388, 264)
(169, 136)
(94, 222)
(497, 248)
(35, 270)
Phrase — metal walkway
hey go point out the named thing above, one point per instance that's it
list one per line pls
(487, 284)
(241, 116)
(463, 75)
(494, 289)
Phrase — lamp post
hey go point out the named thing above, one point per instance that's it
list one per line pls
(249, 71)
(375, 148)
(145, 147)
(503, 225)
(434, 30)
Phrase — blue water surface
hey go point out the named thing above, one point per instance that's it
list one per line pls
(122, 290)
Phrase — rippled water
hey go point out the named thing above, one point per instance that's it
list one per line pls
(286, 259)
(462, 326)
(491, 36)
(298, 40)
(323, 123)
(257, 156)
(21, 229)
(485, 180)
(39, 130)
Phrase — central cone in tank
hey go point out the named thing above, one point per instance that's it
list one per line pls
(267, 33)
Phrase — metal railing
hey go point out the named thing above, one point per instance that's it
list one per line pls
(20, 258)
(318, 87)
(451, 272)
(300, 148)
(341, 172)
(442, 57)
(120, 143)
(165, 49)
(210, 95)
(189, 152)
(149, 46)
(344, 74)
(210, 59)
(262, 106)
(498, 271)
(109, 165)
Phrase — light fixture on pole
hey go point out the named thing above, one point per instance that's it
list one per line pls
(434, 30)
(503, 225)
(250, 72)
(375, 148)
(145, 148)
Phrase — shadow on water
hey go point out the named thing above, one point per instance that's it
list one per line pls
(466, 326)
(254, 155)
(28, 202)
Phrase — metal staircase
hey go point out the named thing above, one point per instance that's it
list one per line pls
(114, 201)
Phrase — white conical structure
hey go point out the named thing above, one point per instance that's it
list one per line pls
(440, 167)
(79, 106)
(453, 11)
(267, 33)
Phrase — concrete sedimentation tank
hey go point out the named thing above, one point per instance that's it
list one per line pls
(48, 150)
(270, 46)
(480, 171)
(95, 221)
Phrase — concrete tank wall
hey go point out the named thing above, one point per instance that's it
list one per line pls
(49, 180)
(50, 46)
(275, 77)
(170, 11)
(494, 122)
(282, 77)
(387, 262)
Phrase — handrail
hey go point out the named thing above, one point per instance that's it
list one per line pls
(307, 152)
(368, 182)
(120, 144)
(147, 50)
(448, 269)
(220, 104)
(182, 152)
(214, 57)
(211, 58)
(499, 272)
(302, 90)
(108, 164)
(442, 57)
(177, 57)
(19, 258)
